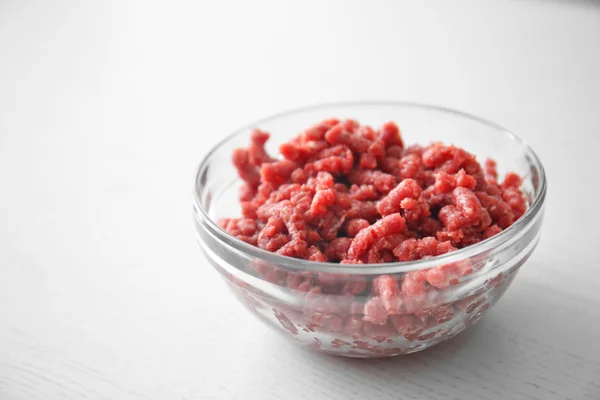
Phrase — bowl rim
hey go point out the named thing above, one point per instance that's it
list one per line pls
(244, 249)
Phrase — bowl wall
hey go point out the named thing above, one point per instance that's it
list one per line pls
(275, 289)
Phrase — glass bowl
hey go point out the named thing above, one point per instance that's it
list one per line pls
(280, 290)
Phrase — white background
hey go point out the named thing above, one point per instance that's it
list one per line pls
(106, 109)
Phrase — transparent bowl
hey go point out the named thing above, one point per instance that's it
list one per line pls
(336, 323)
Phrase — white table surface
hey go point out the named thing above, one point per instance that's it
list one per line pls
(107, 107)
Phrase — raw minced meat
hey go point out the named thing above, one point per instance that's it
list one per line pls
(346, 193)
(339, 179)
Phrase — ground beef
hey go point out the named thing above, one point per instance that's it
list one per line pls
(344, 192)
(339, 179)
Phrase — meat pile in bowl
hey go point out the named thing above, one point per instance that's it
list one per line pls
(345, 193)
